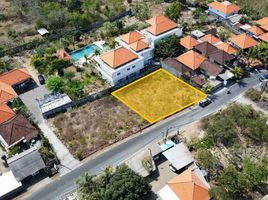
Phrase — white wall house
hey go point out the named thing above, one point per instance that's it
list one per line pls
(223, 9)
(118, 65)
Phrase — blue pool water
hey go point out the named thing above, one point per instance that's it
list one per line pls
(80, 53)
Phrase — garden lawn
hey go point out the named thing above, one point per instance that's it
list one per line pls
(158, 95)
(95, 125)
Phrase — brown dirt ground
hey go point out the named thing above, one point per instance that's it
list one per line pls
(95, 125)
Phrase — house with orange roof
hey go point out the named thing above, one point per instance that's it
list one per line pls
(135, 41)
(188, 42)
(118, 65)
(263, 21)
(264, 37)
(255, 31)
(223, 9)
(189, 185)
(191, 59)
(211, 39)
(242, 41)
(6, 113)
(160, 27)
(226, 47)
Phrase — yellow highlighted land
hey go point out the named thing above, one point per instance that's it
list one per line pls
(158, 95)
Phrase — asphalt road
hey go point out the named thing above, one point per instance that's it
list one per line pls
(66, 183)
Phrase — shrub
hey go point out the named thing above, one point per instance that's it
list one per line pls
(253, 94)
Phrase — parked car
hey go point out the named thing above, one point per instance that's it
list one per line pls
(203, 103)
(41, 79)
(263, 77)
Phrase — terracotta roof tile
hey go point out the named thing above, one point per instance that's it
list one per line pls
(205, 48)
(6, 113)
(131, 37)
(62, 54)
(264, 37)
(157, 19)
(16, 129)
(139, 45)
(210, 38)
(265, 27)
(173, 63)
(221, 56)
(6, 93)
(211, 68)
(224, 7)
(15, 76)
(188, 42)
(187, 186)
(162, 27)
(243, 41)
(255, 30)
(191, 59)
(262, 21)
(226, 47)
(118, 57)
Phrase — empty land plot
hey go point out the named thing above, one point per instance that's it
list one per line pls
(95, 125)
(158, 95)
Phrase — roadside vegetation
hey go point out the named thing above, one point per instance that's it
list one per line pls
(119, 184)
(95, 125)
(233, 151)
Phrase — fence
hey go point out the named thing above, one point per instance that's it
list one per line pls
(35, 43)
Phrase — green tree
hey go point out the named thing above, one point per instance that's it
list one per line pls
(57, 64)
(75, 88)
(168, 47)
(238, 72)
(173, 11)
(224, 35)
(55, 84)
(141, 12)
(207, 88)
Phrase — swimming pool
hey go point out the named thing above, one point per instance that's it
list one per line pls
(85, 51)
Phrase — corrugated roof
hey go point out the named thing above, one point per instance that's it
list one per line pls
(255, 30)
(243, 41)
(262, 21)
(26, 163)
(224, 7)
(226, 47)
(162, 27)
(138, 45)
(205, 48)
(191, 59)
(131, 37)
(6, 113)
(210, 38)
(157, 19)
(188, 42)
(188, 186)
(15, 76)
(16, 129)
(118, 57)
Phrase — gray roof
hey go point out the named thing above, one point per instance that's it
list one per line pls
(26, 163)
(179, 156)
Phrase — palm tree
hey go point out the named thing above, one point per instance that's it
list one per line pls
(238, 72)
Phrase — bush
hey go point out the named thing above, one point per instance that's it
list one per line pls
(141, 12)
(253, 94)
(55, 84)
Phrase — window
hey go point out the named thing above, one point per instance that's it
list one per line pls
(128, 69)
(118, 74)
(133, 67)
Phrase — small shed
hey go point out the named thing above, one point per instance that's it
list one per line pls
(42, 31)
(197, 34)
(179, 156)
(26, 163)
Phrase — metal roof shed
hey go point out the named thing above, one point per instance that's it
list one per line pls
(179, 156)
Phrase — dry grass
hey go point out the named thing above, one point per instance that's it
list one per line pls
(94, 125)
(158, 95)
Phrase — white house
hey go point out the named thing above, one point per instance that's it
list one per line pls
(223, 9)
(118, 65)
(161, 27)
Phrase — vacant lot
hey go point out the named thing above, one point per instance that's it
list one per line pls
(94, 125)
(158, 95)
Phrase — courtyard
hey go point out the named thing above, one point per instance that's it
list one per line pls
(158, 95)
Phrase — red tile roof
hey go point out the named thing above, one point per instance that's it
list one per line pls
(188, 42)
(139, 45)
(118, 57)
(162, 27)
(131, 37)
(191, 59)
(226, 47)
(17, 129)
(157, 19)
(262, 21)
(255, 30)
(265, 27)
(224, 7)
(210, 38)
(264, 37)
(6, 113)
(62, 54)
(243, 41)
(6, 93)
(15, 76)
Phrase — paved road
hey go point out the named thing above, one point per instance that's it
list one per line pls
(113, 157)
(29, 99)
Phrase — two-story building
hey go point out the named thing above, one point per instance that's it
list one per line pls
(223, 9)
(118, 65)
